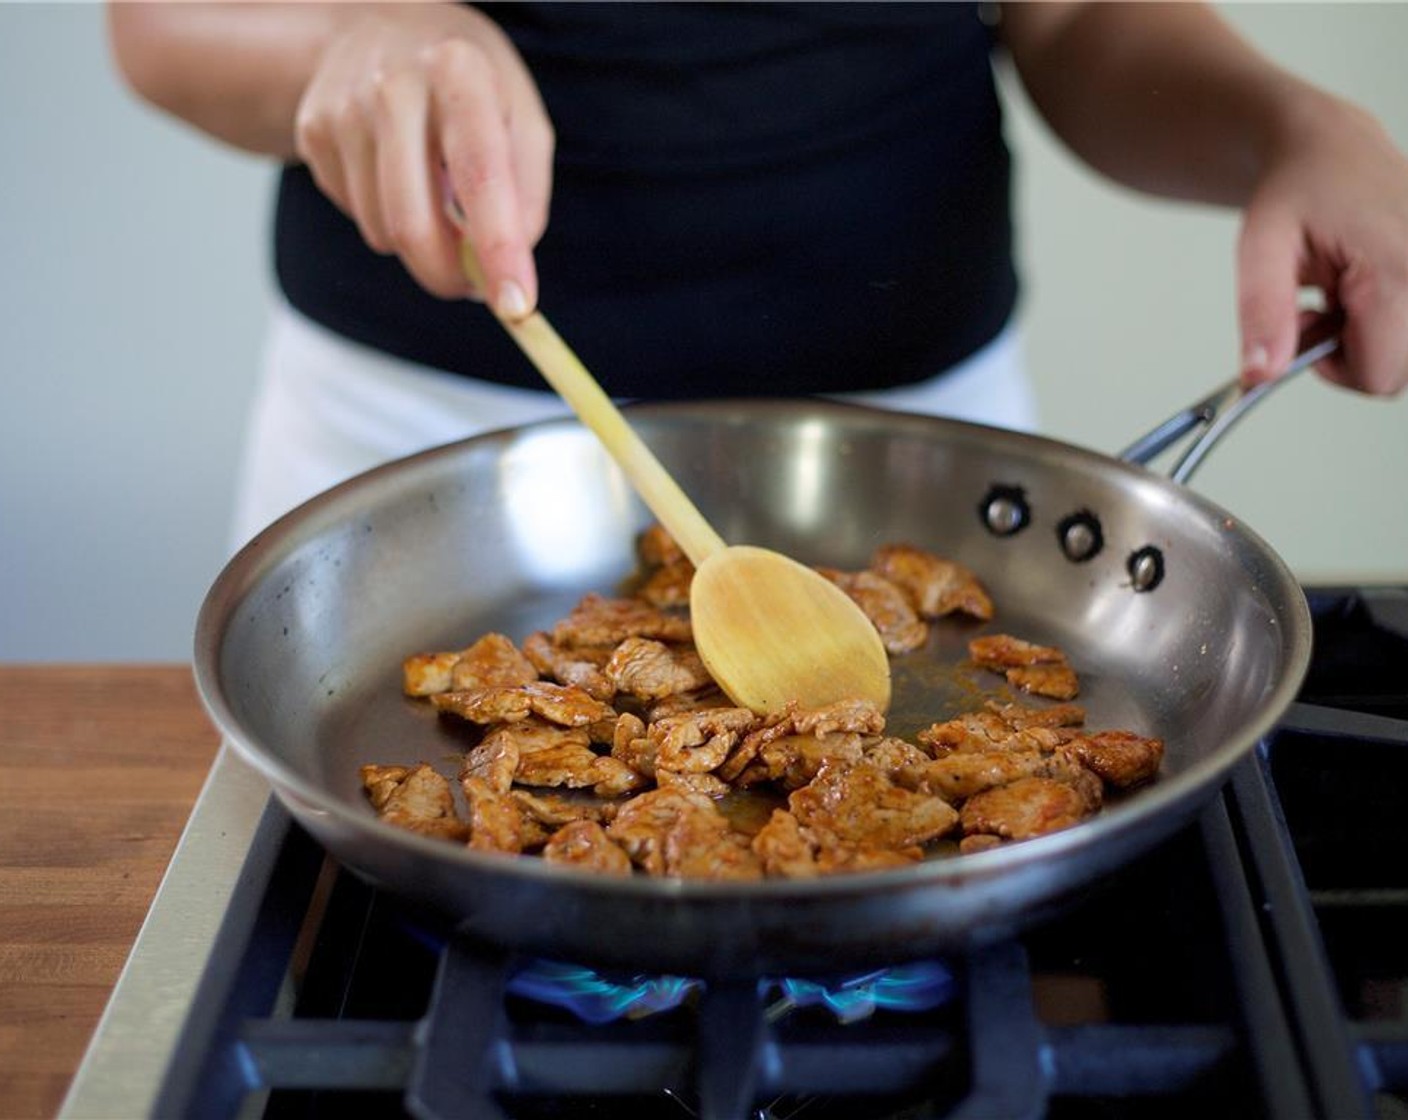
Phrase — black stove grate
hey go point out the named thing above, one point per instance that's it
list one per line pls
(1204, 976)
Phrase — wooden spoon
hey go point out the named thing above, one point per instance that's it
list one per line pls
(770, 630)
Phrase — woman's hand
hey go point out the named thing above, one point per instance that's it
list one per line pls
(1329, 212)
(1166, 98)
(408, 101)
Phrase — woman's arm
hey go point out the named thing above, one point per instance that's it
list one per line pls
(1163, 98)
(376, 99)
(235, 71)
(1168, 99)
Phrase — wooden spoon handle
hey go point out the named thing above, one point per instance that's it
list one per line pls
(564, 371)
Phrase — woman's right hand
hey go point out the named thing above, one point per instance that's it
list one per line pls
(406, 101)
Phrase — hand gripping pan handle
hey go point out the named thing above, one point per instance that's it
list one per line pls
(1222, 408)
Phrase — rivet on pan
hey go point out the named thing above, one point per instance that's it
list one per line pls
(1081, 536)
(1005, 510)
(1146, 568)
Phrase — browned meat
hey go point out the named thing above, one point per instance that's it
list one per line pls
(651, 670)
(598, 621)
(585, 844)
(557, 703)
(576, 768)
(901, 629)
(789, 851)
(668, 586)
(857, 800)
(631, 745)
(971, 731)
(696, 849)
(495, 758)
(838, 859)
(859, 717)
(1026, 808)
(1042, 670)
(1021, 716)
(698, 701)
(697, 742)
(544, 754)
(382, 782)
(496, 823)
(556, 809)
(1059, 682)
(861, 805)
(741, 758)
(934, 586)
(1002, 651)
(794, 760)
(979, 842)
(570, 763)
(706, 785)
(784, 849)
(657, 549)
(978, 732)
(603, 731)
(492, 660)
(967, 773)
(643, 824)
(1121, 758)
(533, 734)
(615, 777)
(414, 798)
(903, 761)
(424, 674)
(580, 666)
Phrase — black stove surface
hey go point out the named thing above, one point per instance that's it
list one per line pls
(1254, 965)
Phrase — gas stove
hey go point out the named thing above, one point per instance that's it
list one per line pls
(1256, 964)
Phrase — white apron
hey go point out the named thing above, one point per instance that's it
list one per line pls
(327, 408)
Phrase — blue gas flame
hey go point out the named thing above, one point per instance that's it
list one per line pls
(597, 998)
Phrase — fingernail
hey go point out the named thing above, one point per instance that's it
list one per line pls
(1256, 359)
(512, 302)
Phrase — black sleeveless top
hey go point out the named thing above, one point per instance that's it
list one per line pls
(748, 199)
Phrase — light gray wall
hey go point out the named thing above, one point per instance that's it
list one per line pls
(132, 289)
(134, 281)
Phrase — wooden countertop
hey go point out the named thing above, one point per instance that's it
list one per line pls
(100, 766)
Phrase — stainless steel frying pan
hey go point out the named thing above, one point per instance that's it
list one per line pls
(1181, 621)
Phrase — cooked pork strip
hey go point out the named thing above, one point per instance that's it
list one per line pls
(643, 823)
(557, 703)
(416, 798)
(1024, 809)
(887, 607)
(578, 665)
(1121, 758)
(651, 670)
(860, 804)
(585, 844)
(934, 586)
(599, 621)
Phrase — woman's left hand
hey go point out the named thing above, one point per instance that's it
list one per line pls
(1330, 211)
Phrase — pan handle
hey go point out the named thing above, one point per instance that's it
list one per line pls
(1223, 407)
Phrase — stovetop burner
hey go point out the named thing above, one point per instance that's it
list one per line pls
(1256, 964)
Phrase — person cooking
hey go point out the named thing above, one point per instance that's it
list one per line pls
(731, 200)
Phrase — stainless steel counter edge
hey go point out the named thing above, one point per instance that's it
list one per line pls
(123, 1067)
